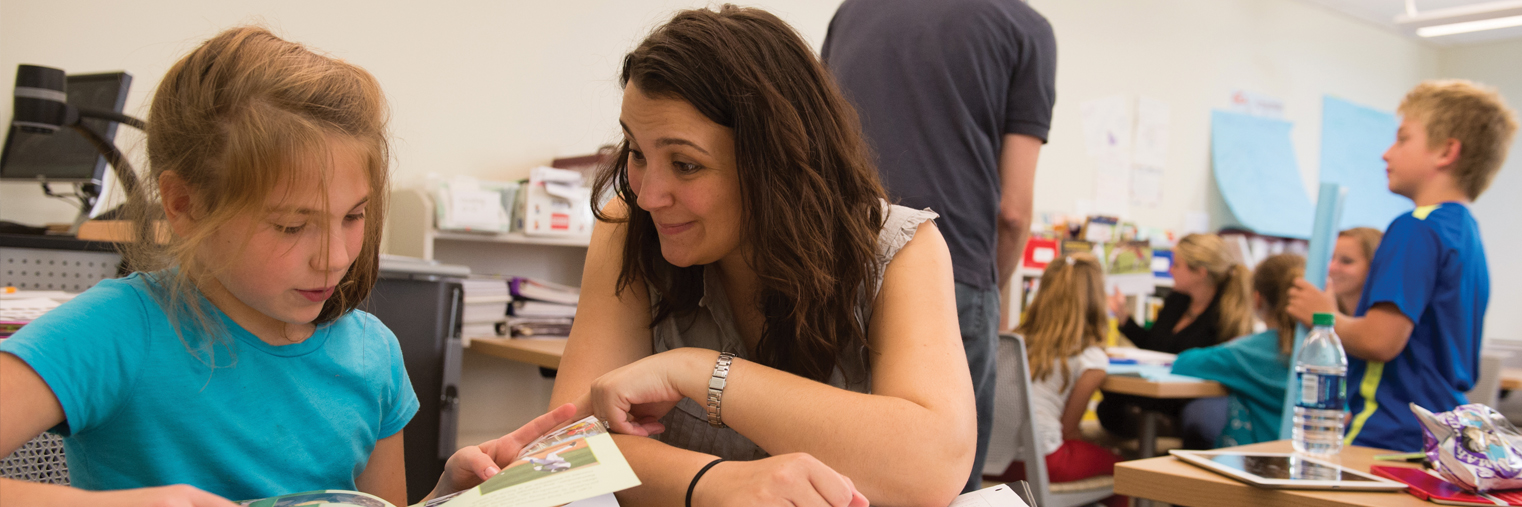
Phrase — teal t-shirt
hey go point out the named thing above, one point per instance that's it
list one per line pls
(141, 410)
(1252, 369)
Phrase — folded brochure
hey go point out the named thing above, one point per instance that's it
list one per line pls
(572, 463)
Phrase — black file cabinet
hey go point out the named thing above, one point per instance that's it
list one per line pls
(422, 305)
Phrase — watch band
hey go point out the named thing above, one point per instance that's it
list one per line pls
(716, 389)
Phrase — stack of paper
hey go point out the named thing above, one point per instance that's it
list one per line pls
(486, 300)
(540, 309)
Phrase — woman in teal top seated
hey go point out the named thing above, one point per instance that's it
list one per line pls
(1255, 367)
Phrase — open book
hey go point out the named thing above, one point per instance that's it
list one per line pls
(576, 462)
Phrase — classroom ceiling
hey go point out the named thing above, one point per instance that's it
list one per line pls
(1383, 13)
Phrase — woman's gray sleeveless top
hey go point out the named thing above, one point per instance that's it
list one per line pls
(712, 326)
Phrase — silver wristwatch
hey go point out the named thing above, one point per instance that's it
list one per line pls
(716, 389)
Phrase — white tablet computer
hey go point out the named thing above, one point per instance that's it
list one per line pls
(1285, 471)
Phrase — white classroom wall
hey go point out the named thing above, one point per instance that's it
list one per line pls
(1498, 210)
(487, 88)
(1192, 55)
(492, 89)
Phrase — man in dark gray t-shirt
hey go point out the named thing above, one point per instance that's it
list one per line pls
(955, 98)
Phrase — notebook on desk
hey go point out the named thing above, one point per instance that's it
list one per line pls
(20, 307)
(1152, 372)
(1133, 355)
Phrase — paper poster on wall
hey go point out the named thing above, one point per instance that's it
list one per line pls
(1353, 141)
(1146, 186)
(1107, 128)
(1112, 187)
(1253, 160)
(1151, 140)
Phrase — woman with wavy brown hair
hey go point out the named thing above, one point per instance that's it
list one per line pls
(752, 301)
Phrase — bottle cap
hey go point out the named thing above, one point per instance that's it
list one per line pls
(1323, 319)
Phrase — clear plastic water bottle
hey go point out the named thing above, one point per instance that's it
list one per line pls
(1321, 374)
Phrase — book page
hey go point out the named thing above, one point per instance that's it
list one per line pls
(575, 462)
(996, 496)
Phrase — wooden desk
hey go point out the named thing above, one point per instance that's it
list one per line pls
(1146, 435)
(1168, 479)
(1152, 389)
(1511, 379)
(119, 231)
(542, 352)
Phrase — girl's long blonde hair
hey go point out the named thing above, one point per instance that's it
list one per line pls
(1272, 280)
(1066, 316)
(1232, 281)
(233, 119)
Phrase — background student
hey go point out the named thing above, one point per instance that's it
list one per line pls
(1350, 265)
(1415, 335)
(1064, 331)
(956, 100)
(1210, 303)
(233, 363)
(1254, 368)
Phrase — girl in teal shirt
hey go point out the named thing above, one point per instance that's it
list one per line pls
(235, 363)
(1253, 367)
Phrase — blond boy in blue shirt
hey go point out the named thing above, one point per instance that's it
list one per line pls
(1415, 335)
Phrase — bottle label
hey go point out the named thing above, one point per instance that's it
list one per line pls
(1322, 392)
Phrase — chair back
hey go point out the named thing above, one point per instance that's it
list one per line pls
(39, 460)
(1012, 418)
(1487, 388)
(1014, 434)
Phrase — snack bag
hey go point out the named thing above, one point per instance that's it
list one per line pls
(1473, 446)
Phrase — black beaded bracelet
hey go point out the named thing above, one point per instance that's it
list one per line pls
(695, 478)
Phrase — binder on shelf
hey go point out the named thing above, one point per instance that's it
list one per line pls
(535, 327)
(527, 288)
(531, 308)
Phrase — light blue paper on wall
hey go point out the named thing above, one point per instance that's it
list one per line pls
(1255, 169)
(1353, 141)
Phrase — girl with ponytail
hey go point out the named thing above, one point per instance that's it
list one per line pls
(1064, 331)
(1254, 367)
(1210, 303)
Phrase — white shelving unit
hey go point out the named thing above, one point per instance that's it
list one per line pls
(516, 238)
(410, 231)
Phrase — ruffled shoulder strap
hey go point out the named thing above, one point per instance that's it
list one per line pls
(899, 226)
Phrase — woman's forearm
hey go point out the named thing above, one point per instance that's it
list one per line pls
(664, 471)
(16, 492)
(898, 451)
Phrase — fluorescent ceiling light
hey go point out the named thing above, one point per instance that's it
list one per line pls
(1469, 26)
(1491, 15)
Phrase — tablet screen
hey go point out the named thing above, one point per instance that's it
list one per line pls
(1290, 468)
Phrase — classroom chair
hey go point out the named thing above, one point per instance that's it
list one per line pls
(1487, 388)
(1014, 438)
(39, 460)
